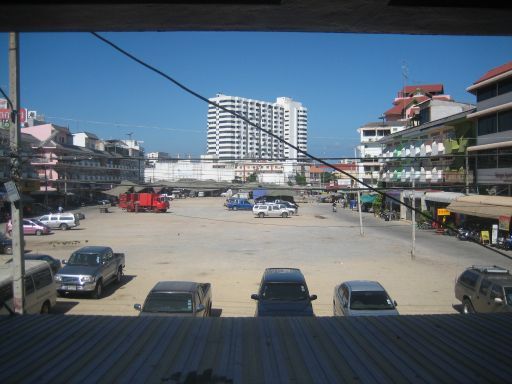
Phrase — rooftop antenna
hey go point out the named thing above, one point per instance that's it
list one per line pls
(129, 134)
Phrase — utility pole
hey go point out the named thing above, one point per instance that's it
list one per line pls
(413, 217)
(361, 230)
(16, 170)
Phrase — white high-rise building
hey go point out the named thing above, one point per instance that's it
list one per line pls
(230, 137)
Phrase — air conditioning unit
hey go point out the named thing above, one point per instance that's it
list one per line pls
(32, 114)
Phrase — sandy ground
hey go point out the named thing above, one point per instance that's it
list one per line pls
(200, 240)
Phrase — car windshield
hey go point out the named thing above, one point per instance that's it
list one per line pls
(84, 259)
(284, 291)
(172, 302)
(508, 295)
(38, 223)
(370, 300)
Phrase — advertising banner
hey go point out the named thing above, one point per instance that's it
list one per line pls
(504, 223)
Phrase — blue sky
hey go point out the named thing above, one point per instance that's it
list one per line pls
(344, 80)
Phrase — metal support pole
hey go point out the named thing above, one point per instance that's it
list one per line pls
(413, 219)
(16, 171)
(361, 230)
(466, 173)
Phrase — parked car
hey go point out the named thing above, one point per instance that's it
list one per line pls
(362, 298)
(239, 204)
(5, 244)
(89, 269)
(288, 203)
(62, 221)
(79, 215)
(291, 210)
(40, 294)
(30, 227)
(177, 298)
(55, 264)
(283, 292)
(270, 210)
(483, 289)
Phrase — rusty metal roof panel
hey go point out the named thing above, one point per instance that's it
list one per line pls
(390, 349)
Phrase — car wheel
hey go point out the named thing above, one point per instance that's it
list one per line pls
(467, 307)
(39, 232)
(284, 215)
(45, 309)
(98, 291)
(261, 215)
(8, 250)
(64, 227)
(119, 275)
(235, 209)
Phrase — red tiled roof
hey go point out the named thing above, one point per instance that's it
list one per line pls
(430, 88)
(404, 104)
(495, 72)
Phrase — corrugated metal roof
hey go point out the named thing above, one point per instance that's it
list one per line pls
(433, 348)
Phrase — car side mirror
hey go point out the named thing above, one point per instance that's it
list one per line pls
(498, 300)
(345, 305)
(200, 308)
(138, 307)
(394, 302)
(313, 297)
(64, 261)
(255, 296)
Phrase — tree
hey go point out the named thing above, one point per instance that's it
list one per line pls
(252, 178)
(300, 179)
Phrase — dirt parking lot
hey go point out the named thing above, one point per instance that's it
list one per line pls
(200, 240)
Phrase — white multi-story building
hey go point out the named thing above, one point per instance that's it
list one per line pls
(231, 138)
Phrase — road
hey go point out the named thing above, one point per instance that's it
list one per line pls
(200, 240)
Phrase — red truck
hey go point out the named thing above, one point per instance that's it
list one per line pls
(138, 202)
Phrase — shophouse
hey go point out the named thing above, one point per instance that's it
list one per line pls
(75, 167)
(493, 118)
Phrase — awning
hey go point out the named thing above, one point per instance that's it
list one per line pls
(443, 197)
(368, 198)
(482, 147)
(491, 207)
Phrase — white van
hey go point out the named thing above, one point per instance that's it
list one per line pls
(60, 220)
(40, 289)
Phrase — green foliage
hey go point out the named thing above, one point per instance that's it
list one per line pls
(377, 204)
(253, 177)
(300, 179)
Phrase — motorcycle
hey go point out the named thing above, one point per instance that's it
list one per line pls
(463, 234)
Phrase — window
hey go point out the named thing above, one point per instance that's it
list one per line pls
(484, 287)
(469, 278)
(487, 125)
(505, 157)
(496, 292)
(505, 121)
(505, 86)
(486, 92)
(487, 159)
(42, 278)
(29, 285)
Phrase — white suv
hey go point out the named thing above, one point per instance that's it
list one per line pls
(60, 220)
(271, 210)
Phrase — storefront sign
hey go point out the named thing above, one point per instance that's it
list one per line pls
(484, 237)
(504, 223)
(443, 212)
(494, 236)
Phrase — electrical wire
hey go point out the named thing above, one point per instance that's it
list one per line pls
(243, 118)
